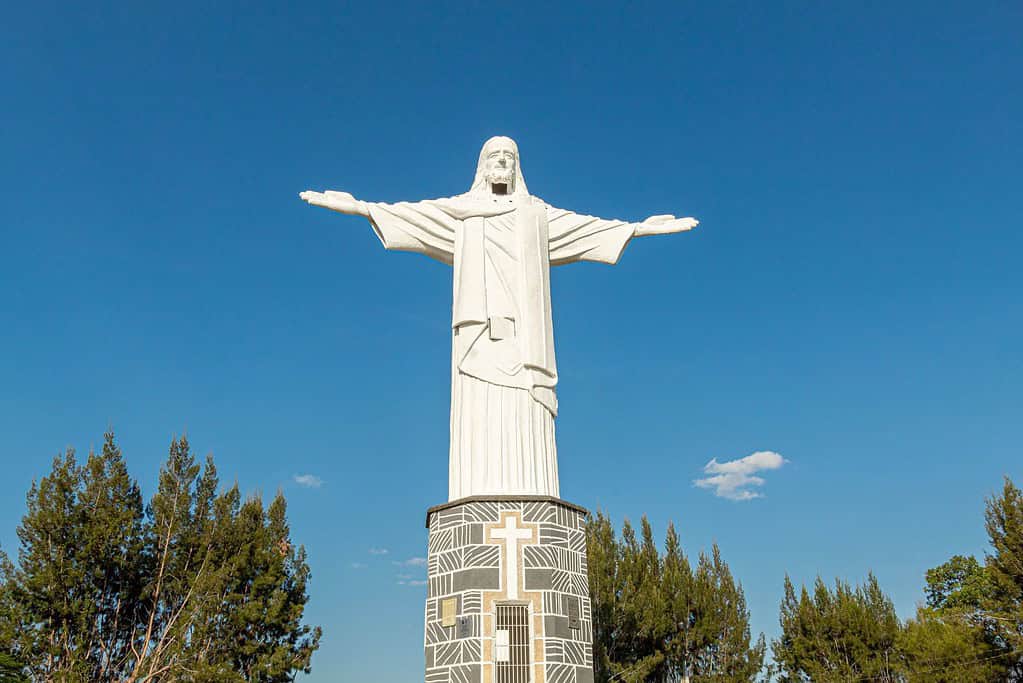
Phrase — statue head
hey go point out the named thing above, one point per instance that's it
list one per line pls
(498, 171)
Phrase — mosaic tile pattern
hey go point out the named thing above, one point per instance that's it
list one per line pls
(467, 563)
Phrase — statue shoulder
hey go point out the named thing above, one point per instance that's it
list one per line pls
(457, 206)
(552, 211)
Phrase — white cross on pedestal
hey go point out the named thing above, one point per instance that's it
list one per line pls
(511, 533)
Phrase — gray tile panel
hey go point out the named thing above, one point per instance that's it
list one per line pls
(449, 561)
(440, 540)
(472, 602)
(538, 512)
(540, 556)
(577, 541)
(438, 585)
(488, 578)
(446, 654)
(471, 673)
(435, 633)
(554, 650)
(574, 652)
(560, 673)
(551, 534)
(538, 579)
(470, 627)
(482, 556)
(556, 626)
(552, 603)
(472, 650)
(482, 512)
(440, 675)
(445, 519)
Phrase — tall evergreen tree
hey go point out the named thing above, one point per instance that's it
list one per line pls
(657, 620)
(952, 639)
(605, 587)
(112, 521)
(844, 635)
(725, 650)
(945, 646)
(51, 607)
(677, 587)
(195, 587)
(1004, 524)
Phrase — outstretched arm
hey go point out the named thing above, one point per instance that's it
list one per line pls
(341, 202)
(420, 227)
(663, 224)
(577, 237)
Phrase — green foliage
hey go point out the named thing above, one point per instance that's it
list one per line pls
(954, 638)
(196, 586)
(962, 583)
(1004, 605)
(656, 619)
(944, 646)
(970, 631)
(11, 670)
(847, 634)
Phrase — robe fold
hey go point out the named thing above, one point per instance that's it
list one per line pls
(504, 371)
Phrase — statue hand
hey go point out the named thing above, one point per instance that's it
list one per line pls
(663, 224)
(342, 202)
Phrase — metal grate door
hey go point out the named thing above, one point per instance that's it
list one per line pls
(512, 620)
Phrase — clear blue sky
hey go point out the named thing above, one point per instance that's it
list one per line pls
(851, 299)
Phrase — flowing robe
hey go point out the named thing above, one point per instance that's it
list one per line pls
(503, 400)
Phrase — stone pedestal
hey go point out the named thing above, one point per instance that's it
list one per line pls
(508, 597)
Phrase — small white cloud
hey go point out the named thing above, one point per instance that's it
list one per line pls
(378, 551)
(403, 582)
(734, 478)
(308, 480)
(411, 562)
(358, 565)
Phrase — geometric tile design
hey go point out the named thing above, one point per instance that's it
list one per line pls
(466, 562)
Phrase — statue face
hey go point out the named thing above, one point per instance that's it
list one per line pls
(499, 168)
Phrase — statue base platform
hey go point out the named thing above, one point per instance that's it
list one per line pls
(507, 592)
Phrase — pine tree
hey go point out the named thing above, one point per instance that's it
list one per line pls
(637, 607)
(112, 519)
(677, 593)
(655, 620)
(945, 646)
(728, 655)
(1004, 524)
(846, 635)
(52, 609)
(178, 543)
(11, 670)
(952, 638)
(602, 563)
(195, 587)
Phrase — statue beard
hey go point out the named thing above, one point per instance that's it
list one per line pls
(502, 182)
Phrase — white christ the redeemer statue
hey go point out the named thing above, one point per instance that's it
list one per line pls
(501, 242)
